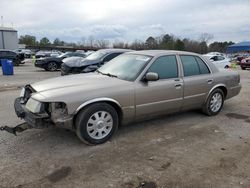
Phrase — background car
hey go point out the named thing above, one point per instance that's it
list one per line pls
(54, 63)
(219, 60)
(91, 62)
(215, 53)
(245, 63)
(7, 54)
(25, 52)
(46, 53)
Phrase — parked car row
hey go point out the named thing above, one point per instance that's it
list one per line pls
(90, 63)
(54, 62)
(17, 59)
(133, 86)
(82, 62)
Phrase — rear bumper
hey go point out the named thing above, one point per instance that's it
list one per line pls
(233, 91)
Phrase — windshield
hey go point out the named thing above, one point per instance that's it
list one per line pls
(64, 54)
(96, 55)
(126, 66)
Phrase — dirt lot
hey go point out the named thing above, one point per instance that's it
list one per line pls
(187, 150)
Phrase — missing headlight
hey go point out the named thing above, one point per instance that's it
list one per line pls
(58, 110)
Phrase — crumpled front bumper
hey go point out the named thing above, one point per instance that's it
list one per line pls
(41, 120)
(34, 120)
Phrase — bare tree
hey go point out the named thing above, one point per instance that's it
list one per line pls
(102, 43)
(83, 41)
(206, 37)
(91, 41)
(120, 44)
(137, 45)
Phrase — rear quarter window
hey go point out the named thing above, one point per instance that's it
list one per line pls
(202, 65)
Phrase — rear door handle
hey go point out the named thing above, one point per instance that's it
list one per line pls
(210, 81)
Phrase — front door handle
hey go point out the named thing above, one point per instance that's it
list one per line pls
(178, 86)
(210, 81)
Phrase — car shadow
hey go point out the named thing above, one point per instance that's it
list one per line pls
(58, 137)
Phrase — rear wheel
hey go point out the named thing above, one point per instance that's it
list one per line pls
(97, 123)
(243, 68)
(214, 103)
(52, 66)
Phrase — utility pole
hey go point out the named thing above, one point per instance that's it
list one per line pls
(2, 21)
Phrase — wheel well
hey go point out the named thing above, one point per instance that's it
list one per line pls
(52, 62)
(113, 104)
(224, 89)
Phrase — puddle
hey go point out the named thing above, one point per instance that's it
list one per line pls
(236, 116)
(59, 174)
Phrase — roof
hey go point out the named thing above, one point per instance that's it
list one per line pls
(4, 50)
(238, 47)
(7, 29)
(161, 52)
(114, 50)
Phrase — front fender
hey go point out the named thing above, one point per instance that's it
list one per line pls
(102, 99)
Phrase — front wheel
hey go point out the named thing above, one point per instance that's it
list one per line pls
(97, 123)
(214, 103)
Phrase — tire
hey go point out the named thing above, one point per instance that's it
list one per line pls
(217, 98)
(226, 67)
(90, 123)
(52, 66)
(243, 68)
(15, 62)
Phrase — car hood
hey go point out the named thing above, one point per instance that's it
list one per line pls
(79, 62)
(67, 85)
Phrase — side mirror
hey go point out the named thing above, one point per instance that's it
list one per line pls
(151, 76)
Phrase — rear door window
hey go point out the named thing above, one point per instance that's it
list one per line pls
(190, 65)
(193, 65)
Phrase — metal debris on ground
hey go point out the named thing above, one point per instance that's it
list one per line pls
(13, 130)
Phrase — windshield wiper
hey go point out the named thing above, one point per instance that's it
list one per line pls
(107, 74)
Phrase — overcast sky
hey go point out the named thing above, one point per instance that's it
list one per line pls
(127, 20)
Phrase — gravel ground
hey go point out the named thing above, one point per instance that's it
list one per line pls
(187, 150)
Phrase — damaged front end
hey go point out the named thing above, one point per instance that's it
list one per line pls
(37, 114)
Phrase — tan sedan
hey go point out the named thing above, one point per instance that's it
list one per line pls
(133, 86)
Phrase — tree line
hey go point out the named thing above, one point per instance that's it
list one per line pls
(166, 42)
